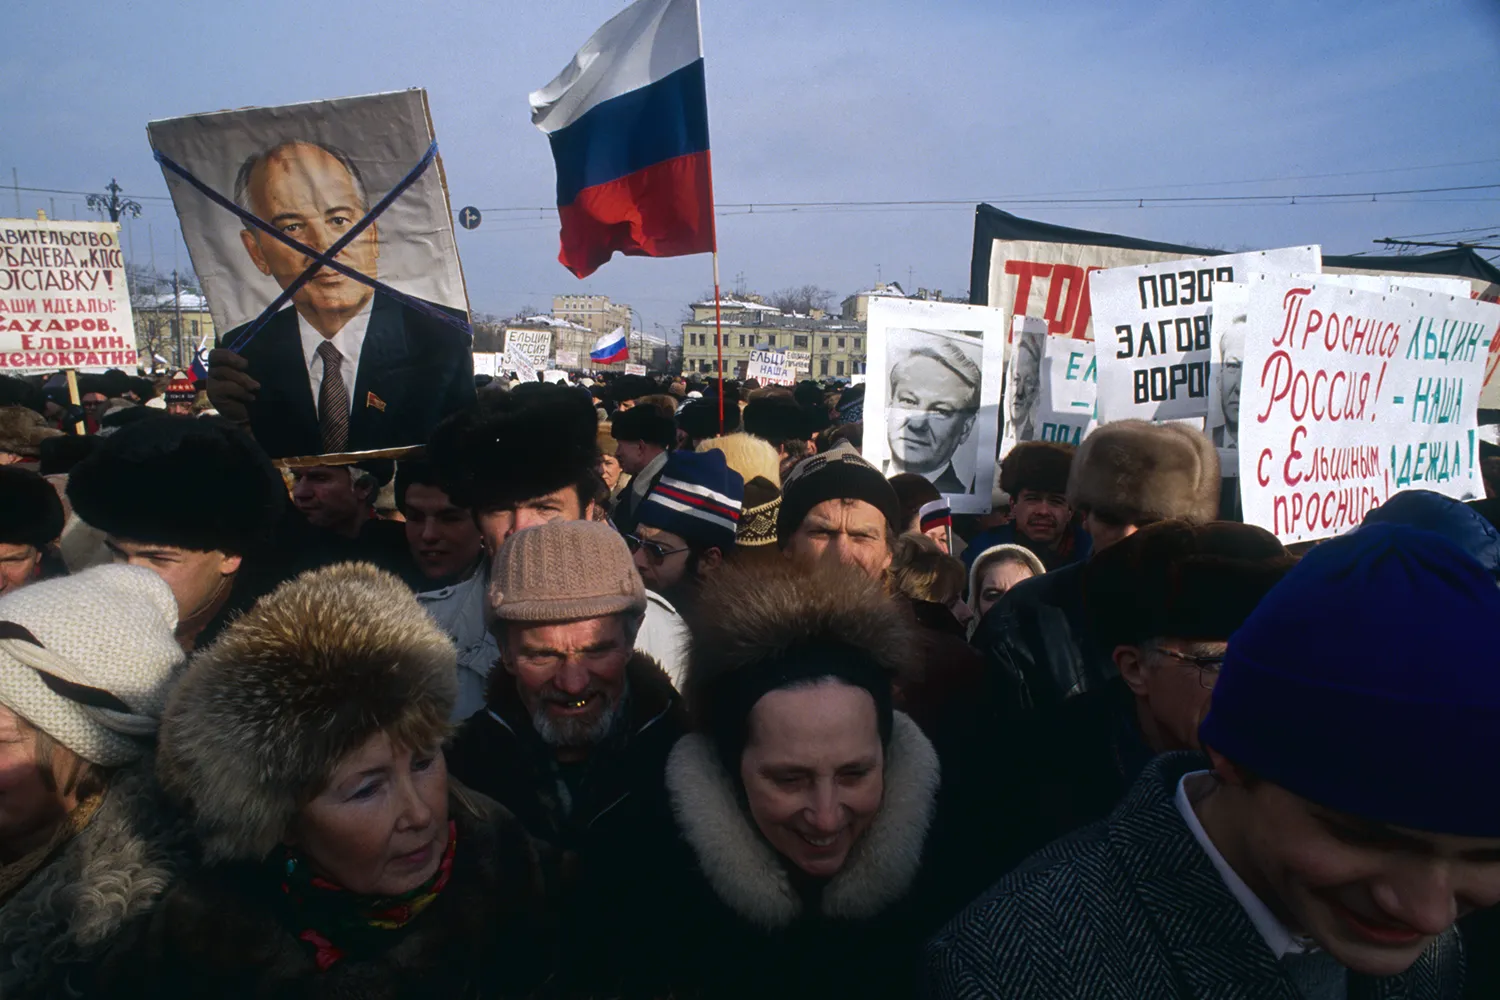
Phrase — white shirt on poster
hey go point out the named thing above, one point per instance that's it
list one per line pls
(349, 341)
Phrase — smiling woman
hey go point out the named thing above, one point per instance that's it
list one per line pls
(341, 860)
(802, 800)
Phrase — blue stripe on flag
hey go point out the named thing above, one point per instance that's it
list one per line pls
(656, 123)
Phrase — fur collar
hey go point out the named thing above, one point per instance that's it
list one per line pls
(747, 874)
(111, 872)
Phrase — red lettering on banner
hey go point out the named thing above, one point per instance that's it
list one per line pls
(1068, 310)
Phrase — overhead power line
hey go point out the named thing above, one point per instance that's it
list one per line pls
(1142, 201)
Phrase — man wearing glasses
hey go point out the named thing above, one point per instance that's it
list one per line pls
(1161, 604)
(685, 526)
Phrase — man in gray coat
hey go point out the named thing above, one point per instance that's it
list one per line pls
(1343, 828)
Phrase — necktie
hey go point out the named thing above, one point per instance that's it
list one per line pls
(333, 401)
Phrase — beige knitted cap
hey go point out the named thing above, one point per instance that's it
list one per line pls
(564, 571)
(89, 659)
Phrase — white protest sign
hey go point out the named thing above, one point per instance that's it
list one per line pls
(770, 367)
(635, 369)
(518, 361)
(1350, 396)
(566, 359)
(1154, 319)
(1051, 386)
(484, 363)
(553, 375)
(801, 361)
(1070, 390)
(63, 300)
(535, 344)
(933, 395)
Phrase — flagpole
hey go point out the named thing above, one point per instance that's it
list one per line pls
(718, 335)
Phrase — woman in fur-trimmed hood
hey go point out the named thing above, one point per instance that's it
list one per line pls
(805, 805)
(306, 746)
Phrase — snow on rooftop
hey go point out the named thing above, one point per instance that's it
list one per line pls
(190, 300)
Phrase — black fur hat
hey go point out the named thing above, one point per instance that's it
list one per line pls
(520, 446)
(1173, 579)
(699, 419)
(194, 483)
(1036, 465)
(646, 421)
(30, 512)
(777, 419)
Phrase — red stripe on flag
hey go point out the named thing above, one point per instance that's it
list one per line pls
(665, 210)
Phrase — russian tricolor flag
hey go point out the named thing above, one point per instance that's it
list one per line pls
(611, 347)
(628, 124)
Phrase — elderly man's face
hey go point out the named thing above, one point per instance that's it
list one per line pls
(842, 531)
(571, 676)
(1229, 390)
(928, 414)
(310, 196)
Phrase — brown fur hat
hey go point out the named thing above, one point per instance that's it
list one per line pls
(1135, 472)
(1036, 465)
(754, 618)
(262, 717)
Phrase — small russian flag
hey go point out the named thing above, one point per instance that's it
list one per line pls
(200, 361)
(628, 124)
(611, 347)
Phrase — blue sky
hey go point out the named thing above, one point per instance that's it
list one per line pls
(818, 100)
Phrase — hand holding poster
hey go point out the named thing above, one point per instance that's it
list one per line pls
(63, 300)
(382, 328)
(1154, 364)
(934, 388)
(770, 368)
(1350, 396)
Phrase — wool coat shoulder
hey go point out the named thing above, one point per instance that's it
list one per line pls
(58, 926)
(222, 933)
(1132, 907)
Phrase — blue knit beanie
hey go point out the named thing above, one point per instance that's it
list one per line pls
(698, 497)
(1368, 681)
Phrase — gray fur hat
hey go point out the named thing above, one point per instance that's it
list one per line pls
(263, 717)
(1136, 472)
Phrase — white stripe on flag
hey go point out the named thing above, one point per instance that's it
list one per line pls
(683, 508)
(703, 491)
(645, 42)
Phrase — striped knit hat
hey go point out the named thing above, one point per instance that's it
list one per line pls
(697, 498)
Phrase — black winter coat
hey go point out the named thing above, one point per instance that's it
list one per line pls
(600, 829)
(222, 932)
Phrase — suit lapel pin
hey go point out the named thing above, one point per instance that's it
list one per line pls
(373, 400)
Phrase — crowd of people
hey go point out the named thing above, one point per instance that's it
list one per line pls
(629, 689)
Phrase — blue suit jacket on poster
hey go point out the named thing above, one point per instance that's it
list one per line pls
(413, 371)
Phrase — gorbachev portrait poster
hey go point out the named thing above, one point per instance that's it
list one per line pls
(323, 238)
